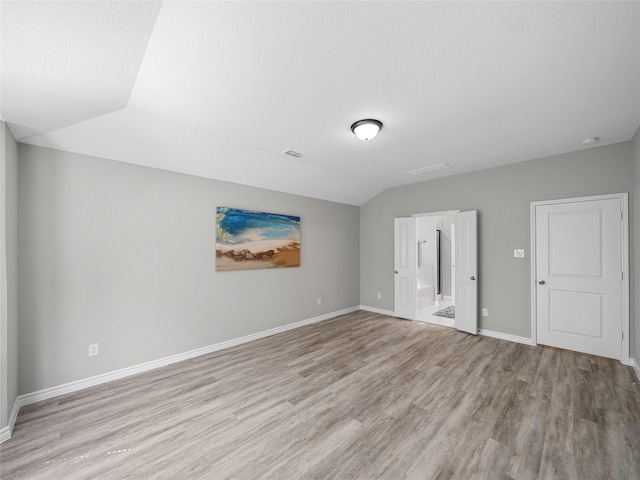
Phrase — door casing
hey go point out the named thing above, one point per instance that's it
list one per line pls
(624, 204)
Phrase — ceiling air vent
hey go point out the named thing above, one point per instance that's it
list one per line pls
(429, 170)
(292, 153)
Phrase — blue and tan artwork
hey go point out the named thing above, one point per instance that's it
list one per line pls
(246, 239)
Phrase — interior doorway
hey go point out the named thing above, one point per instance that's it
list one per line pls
(406, 257)
(435, 235)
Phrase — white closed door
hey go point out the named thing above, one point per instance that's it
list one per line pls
(578, 275)
(405, 268)
(466, 276)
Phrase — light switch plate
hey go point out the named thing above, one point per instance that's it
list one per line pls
(518, 253)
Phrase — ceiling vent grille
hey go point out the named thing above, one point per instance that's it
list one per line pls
(429, 170)
(292, 153)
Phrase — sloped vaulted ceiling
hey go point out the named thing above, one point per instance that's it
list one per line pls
(221, 89)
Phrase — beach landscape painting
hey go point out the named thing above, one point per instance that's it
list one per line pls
(246, 239)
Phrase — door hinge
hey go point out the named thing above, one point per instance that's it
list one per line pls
(621, 275)
(621, 215)
(621, 335)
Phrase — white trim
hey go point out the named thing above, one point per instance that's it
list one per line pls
(444, 213)
(486, 333)
(47, 393)
(624, 204)
(626, 303)
(506, 336)
(14, 414)
(4, 315)
(532, 273)
(636, 367)
(378, 310)
(5, 433)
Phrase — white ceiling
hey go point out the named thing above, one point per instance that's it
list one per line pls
(220, 89)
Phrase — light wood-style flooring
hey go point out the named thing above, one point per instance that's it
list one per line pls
(361, 396)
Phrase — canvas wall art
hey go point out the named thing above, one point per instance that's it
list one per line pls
(246, 239)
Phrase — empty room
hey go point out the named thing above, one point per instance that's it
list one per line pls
(319, 240)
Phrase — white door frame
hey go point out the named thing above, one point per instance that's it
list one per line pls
(624, 204)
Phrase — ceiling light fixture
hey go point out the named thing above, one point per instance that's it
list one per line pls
(366, 129)
(589, 141)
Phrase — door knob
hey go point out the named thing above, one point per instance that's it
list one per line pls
(541, 282)
(473, 277)
(395, 271)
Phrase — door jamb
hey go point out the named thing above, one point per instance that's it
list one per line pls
(624, 205)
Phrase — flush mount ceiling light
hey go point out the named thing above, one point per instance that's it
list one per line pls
(366, 129)
(589, 141)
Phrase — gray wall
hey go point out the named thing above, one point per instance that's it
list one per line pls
(635, 249)
(124, 256)
(10, 340)
(502, 198)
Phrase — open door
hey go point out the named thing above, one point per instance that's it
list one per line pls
(466, 283)
(405, 268)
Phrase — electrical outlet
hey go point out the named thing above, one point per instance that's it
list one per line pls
(93, 349)
(319, 301)
(485, 312)
(379, 295)
(518, 253)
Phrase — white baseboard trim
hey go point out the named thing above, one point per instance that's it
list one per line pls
(77, 385)
(14, 414)
(486, 333)
(636, 367)
(5, 433)
(377, 310)
(506, 336)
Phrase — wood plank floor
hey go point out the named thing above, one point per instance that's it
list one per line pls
(361, 396)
